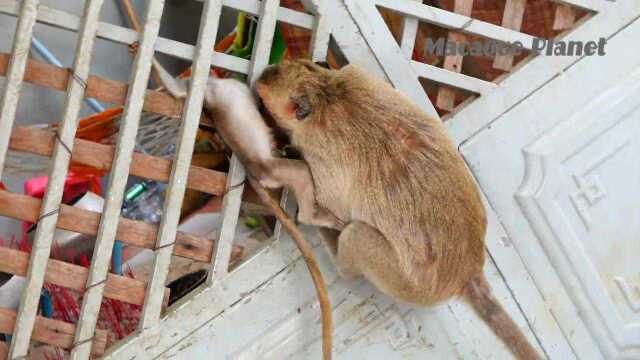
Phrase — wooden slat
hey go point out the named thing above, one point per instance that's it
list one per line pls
(233, 199)
(180, 167)
(117, 182)
(119, 34)
(136, 233)
(61, 158)
(74, 277)
(511, 19)
(458, 22)
(100, 156)
(460, 81)
(565, 17)
(15, 71)
(51, 332)
(447, 96)
(109, 91)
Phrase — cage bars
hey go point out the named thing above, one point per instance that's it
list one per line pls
(107, 231)
(53, 196)
(131, 232)
(15, 73)
(177, 184)
(511, 19)
(236, 176)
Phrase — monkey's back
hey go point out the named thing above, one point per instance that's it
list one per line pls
(377, 158)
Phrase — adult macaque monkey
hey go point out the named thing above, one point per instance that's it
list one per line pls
(234, 111)
(415, 223)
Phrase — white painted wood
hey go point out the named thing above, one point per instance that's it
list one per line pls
(350, 40)
(321, 32)
(230, 210)
(562, 188)
(457, 22)
(28, 307)
(273, 322)
(103, 248)
(194, 311)
(511, 19)
(235, 181)
(271, 305)
(289, 16)
(397, 68)
(64, 20)
(453, 329)
(15, 73)
(181, 163)
(409, 34)
(592, 5)
(536, 73)
(451, 78)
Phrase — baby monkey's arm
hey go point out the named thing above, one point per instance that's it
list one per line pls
(236, 117)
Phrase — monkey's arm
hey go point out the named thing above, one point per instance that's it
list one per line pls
(295, 174)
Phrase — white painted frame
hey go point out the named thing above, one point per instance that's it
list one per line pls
(355, 27)
(30, 298)
(89, 27)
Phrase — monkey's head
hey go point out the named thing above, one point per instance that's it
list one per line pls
(294, 91)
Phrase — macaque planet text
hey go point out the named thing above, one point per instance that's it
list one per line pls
(491, 48)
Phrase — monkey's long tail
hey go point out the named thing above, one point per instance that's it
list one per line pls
(309, 258)
(478, 293)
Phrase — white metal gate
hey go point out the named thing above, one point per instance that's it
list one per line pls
(266, 308)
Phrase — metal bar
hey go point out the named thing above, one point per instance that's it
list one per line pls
(51, 202)
(321, 32)
(457, 22)
(177, 184)
(236, 176)
(15, 74)
(107, 230)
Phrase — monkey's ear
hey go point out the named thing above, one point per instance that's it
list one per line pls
(302, 106)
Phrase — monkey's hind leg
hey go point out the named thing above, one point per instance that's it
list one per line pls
(361, 249)
(296, 175)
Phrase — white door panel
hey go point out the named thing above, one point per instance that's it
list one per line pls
(567, 189)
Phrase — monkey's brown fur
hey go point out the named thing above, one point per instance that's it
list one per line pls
(415, 220)
(237, 119)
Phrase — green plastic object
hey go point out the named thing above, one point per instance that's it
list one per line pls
(252, 222)
(243, 49)
(279, 47)
(243, 44)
